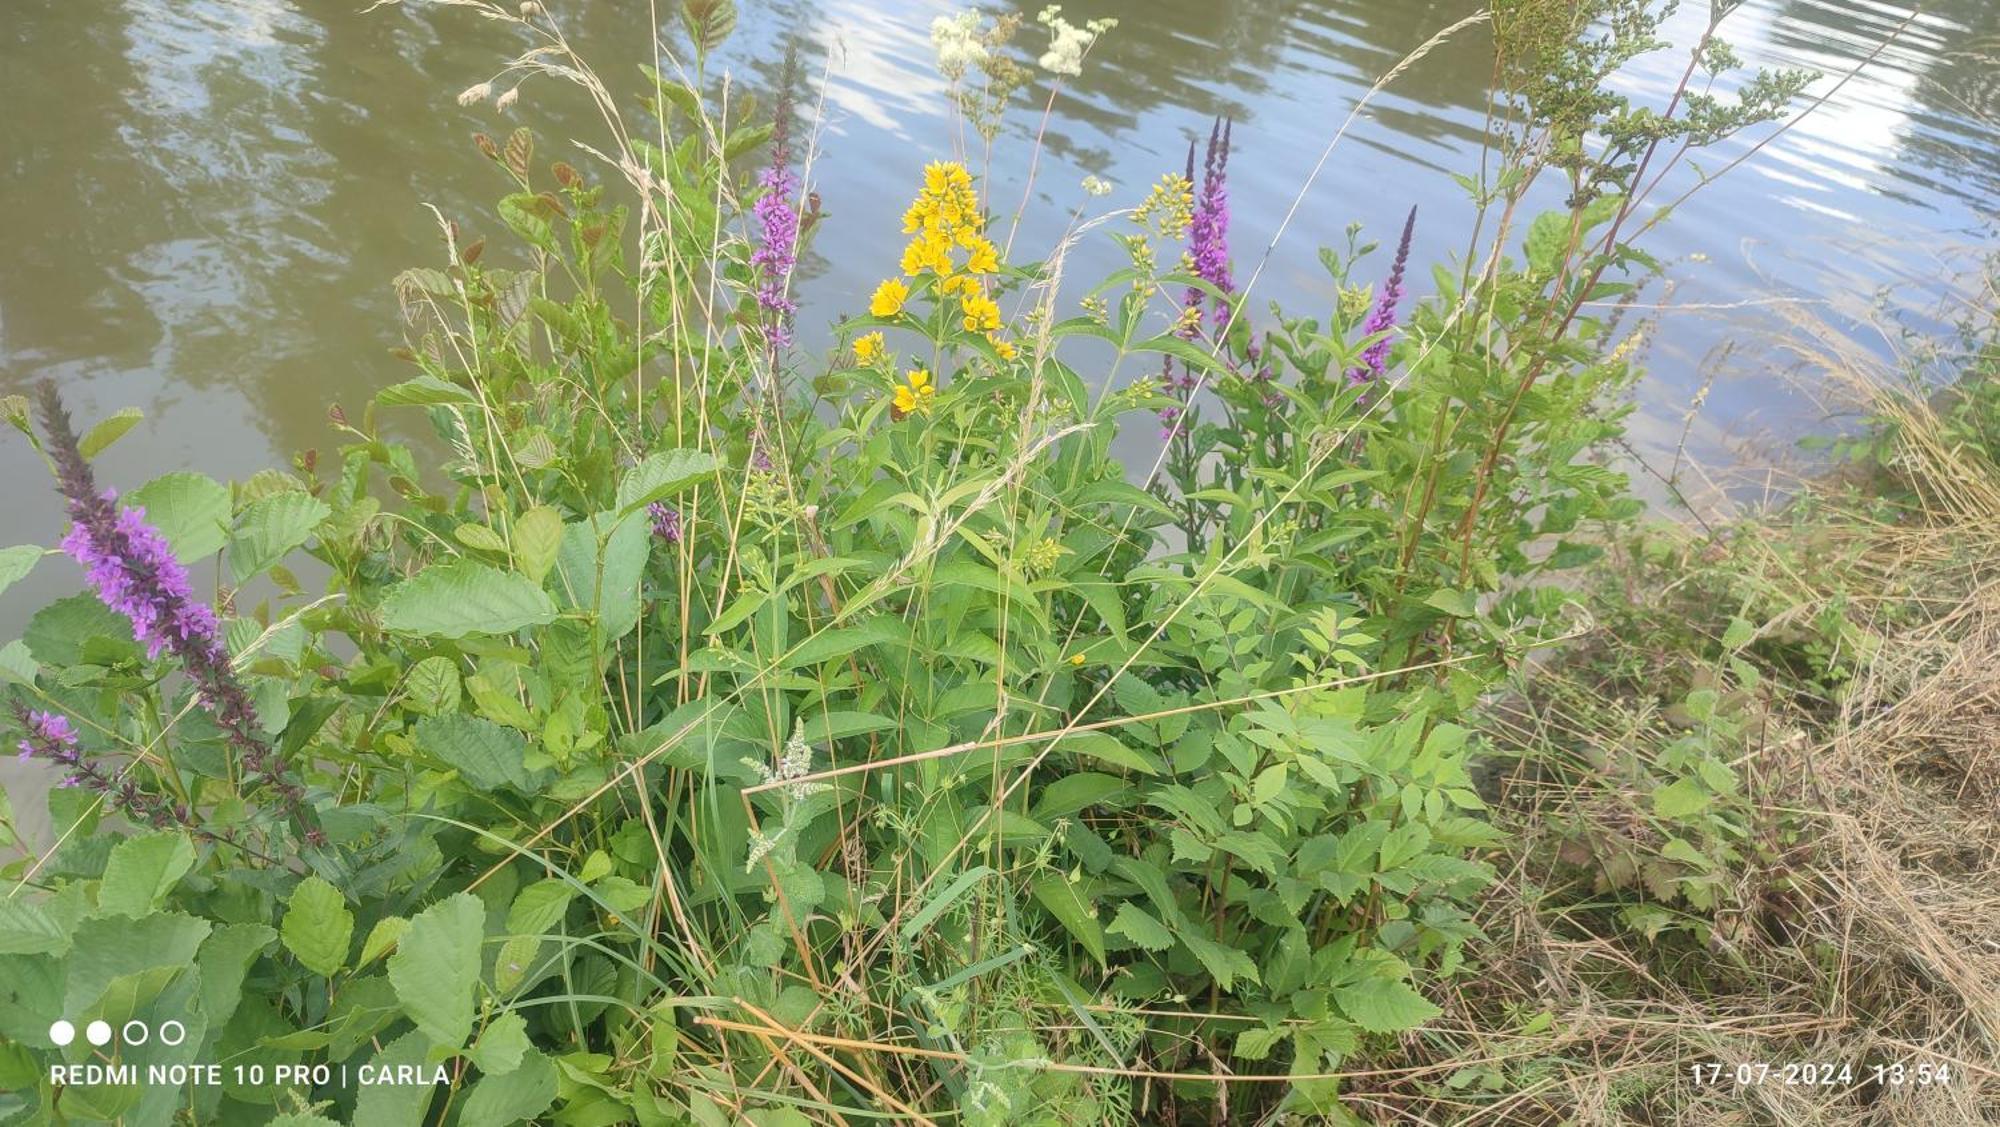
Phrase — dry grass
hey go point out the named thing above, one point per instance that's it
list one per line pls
(1862, 925)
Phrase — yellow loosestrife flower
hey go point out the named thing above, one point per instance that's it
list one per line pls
(913, 396)
(889, 298)
(867, 347)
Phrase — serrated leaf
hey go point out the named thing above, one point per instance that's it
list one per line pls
(523, 1093)
(538, 536)
(1382, 1004)
(109, 431)
(271, 528)
(191, 510)
(436, 967)
(142, 870)
(1680, 799)
(460, 598)
(478, 537)
(539, 907)
(425, 391)
(501, 1044)
(485, 754)
(317, 927)
(433, 686)
(26, 928)
(661, 475)
(226, 957)
(708, 22)
(1139, 926)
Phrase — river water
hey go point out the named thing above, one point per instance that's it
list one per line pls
(204, 200)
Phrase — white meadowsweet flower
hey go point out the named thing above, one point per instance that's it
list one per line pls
(1096, 185)
(958, 44)
(1068, 42)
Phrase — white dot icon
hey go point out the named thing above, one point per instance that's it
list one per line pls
(98, 1033)
(62, 1033)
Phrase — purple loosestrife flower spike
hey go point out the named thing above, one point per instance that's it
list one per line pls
(1374, 361)
(1208, 235)
(135, 573)
(777, 215)
(49, 736)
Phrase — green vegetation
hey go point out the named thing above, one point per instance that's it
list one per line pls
(701, 732)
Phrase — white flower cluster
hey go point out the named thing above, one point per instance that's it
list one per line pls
(959, 47)
(1068, 42)
(794, 763)
(1096, 186)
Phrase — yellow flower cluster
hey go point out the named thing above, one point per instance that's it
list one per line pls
(915, 395)
(867, 347)
(945, 222)
(1169, 207)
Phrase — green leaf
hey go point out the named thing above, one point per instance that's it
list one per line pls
(1063, 901)
(828, 645)
(142, 870)
(1740, 633)
(1680, 799)
(1548, 239)
(1383, 1004)
(538, 536)
(271, 528)
(109, 431)
(522, 1093)
(1139, 926)
(302, 1119)
(436, 967)
(1458, 604)
(191, 510)
(226, 957)
(661, 476)
(398, 1105)
(485, 754)
(708, 22)
(1225, 964)
(62, 632)
(539, 907)
(105, 950)
(1072, 793)
(387, 932)
(460, 598)
(501, 1044)
(317, 927)
(433, 686)
(26, 928)
(604, 577)
(424, 391)
(16, 563)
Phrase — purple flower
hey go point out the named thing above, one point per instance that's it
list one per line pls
(1208, 235)
(777, 215)
(134, 571)
(1375, 359)
(49, 736)
(666, 522)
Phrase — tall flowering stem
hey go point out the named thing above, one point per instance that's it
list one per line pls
(49, 737)
(1208, 237)
(1375, 359)
(134, 571)
(777, 215)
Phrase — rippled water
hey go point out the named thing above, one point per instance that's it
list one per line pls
(204, 200)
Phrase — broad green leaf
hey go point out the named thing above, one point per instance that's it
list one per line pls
(106, 949)
(16, 563)
(456, 599)
(318, 926)
(399, 1105)
(1224, 963)
(838, 642)
(226, 957)
(63, 632)
(424, 391)
(1382, 1004)
(1066, 903)
(1139, 926)
(522, 1093)
(432, 686)
(142, 870)
(478, 537)
(191, 510)
(97, 438)
(539, 907)
(1072, 793)
(501, 1044)
(538, 536)
(1680, 799)
(436, 966)
(604, 577)
(1106, 748)
(485, 754)
(662, 475)
(386, 933)
(1458, 604)
(271, 528)
(821, 727)
(302, 1119)
(27, 928)
(17, 665)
